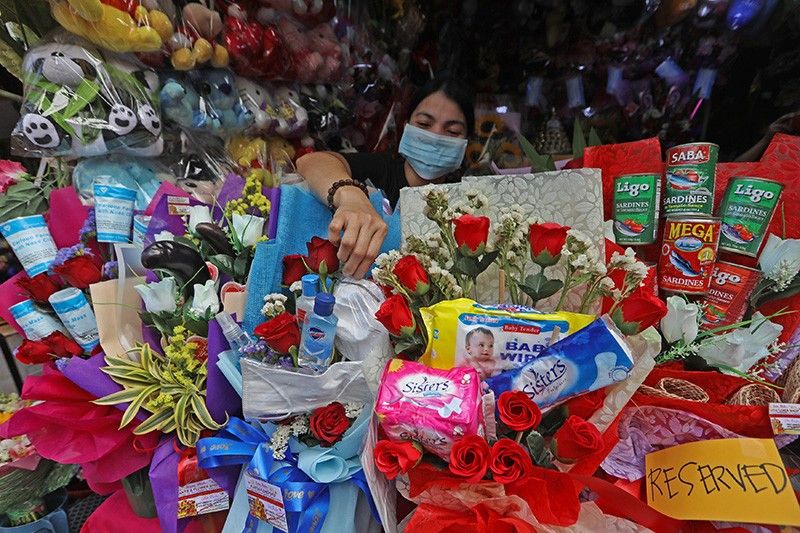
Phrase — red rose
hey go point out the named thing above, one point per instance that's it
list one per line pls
(33, 352)
(396, 316)
(510, 461)
(79, 271)
(587, 404)
(294, 268)
(39, 287)
(471, 234)
(411, 275)
(518, 411)
(639, 311)
(328, 423)
(62, 346)
(280, 333)
(395, 458)
(469, 458)
(576, 439)
(546, 242)
(322, 257)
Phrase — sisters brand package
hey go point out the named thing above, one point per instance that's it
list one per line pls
(492, 338)
(430, 406)
(593, 358)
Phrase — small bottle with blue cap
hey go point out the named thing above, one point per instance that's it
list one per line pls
(305, 304)
(319, 332)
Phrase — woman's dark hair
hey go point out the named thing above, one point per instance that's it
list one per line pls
(456, 90)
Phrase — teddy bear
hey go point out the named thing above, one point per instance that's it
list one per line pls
(117, 25)
(255, 98)
(322, 40)
(306, 61)
(256, 49)
(309, 12)
(194, 42)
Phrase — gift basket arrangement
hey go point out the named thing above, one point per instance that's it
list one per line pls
(609, 346)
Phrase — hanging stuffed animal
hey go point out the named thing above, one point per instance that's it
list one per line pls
(256, 49)
(194, 43)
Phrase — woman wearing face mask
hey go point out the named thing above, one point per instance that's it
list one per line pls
(431, 151)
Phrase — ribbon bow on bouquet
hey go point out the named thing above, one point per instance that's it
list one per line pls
(304, 475)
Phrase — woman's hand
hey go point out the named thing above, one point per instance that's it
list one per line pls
(358, 230)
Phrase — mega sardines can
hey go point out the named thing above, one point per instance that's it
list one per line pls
(636, 201)
(688, 253)
(690, 178)
(746, 212)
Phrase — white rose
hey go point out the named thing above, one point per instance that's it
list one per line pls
(205, 297)
(248, 228)
(158, 297)
(778, 252)
(742, 348)
(198, 214)
(680, 322)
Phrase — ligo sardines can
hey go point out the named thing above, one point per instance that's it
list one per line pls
(690, 178)
(728, 295)
(688, 253)
(637, 198)
(746, 211)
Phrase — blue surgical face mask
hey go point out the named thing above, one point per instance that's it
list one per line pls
(431, 155)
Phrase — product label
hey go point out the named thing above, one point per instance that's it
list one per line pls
(636, 202)
(491, 344)
(728, 295)
(266, 502)
(140, 224)
(690, 178)
(114, 210)
(31, 241)
(178, 205)
(77, 316)
(785, 418)
(688, 253)
(201, 497)
(746, 212)
(35, 323)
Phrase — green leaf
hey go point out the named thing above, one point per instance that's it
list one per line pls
(539, 287)
(578, 139)
(224, 263)
(201, 412)
(539, 163)
(186, 242)
(133, 408)
(486, 260)
(467, 266)
(155, 422)
(553, 420)
(240, 267)
(123, 396)
(594, 138)
(129, 374)
(536, 448)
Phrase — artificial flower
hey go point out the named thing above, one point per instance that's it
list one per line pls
(205, 298)
(510, 461)
(741, 348)
(158, 297)
(10, 173)
(248, 228)
(780, 260)
(576, 439)
(39, 287)
(164, 236)
(518, 411)
(469, 458)
(329, 423)
(197, 215)
(471, 234)
(396, 316)
(79, 271)
(281, 333)
(322, 257)
(638, 312)
(395, 458)
(546, 241)
(411, 275)
(294, 268)
(680, 322)
(62, 346)
(585, 405)
(33, 352)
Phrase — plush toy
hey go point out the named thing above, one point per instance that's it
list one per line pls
(256, 49)
(309, 12)
(117, 25)
(140, 174)
(255, 98)
(247, 151)
(306, 62)
(76, 104)
(291, 117)
(194, 43)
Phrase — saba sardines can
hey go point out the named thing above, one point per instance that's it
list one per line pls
(688, 253)
(746, 211)
(637, 198)
(728, 295)
(690, 177)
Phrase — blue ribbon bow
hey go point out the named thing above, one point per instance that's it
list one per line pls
(306, 501)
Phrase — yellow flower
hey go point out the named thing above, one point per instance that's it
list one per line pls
(488, 123)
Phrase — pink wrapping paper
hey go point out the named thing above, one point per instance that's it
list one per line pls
(67, 215)
(10, 294)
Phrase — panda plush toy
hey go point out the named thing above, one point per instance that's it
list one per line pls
(77, 104)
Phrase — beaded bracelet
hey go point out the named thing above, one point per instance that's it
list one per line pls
(344, 183)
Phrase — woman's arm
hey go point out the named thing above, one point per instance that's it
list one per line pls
(356, 227)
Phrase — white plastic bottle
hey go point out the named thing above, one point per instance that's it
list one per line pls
(305, 304)
(319, 332)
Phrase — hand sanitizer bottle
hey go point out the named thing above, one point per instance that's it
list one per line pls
(319, 331)
(305, 304)
(237, 338)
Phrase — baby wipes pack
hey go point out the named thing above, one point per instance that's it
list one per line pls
(593, 358)
(492, 339)
(430, 406)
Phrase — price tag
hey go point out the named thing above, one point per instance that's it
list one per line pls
(201, 497)
(266, 502)
(178, 205)
(785, 418)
